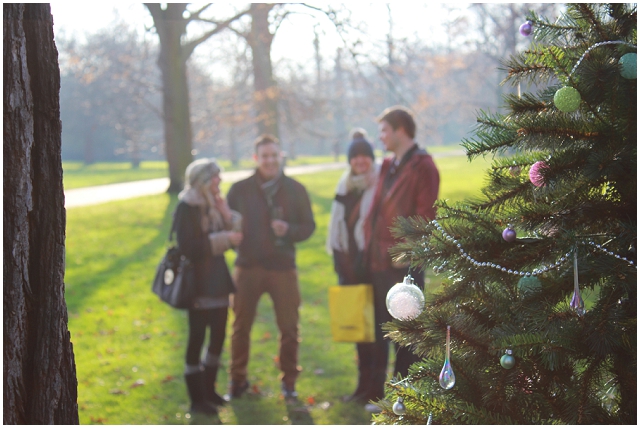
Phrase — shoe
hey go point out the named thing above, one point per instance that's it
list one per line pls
(372, 408)
(237, 389)
(289, 394)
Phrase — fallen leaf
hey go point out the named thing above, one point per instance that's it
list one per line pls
(117, 392)
(318, 371)
(311, 400)
(255, 389)
(145, 337)
(168, 378)
(98, 420)
(137, 383)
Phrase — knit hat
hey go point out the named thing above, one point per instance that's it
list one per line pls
(360, 146)
(201, 171)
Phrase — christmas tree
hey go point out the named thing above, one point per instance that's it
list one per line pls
(539, 274)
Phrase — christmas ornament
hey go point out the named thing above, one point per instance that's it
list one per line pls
(577, 304)
(405, 300)
(567, 99)
(447, 377)
(535, 173)
(399, 408)
(509, 234)
(526, 28)
(628, 65)
(507, 360)
(529, 284)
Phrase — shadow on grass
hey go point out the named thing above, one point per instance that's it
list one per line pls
(83, 289)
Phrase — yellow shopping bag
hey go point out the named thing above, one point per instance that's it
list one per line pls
(351, 313)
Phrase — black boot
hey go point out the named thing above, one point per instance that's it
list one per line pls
(361, 394)
(378, 378)
(196, 389)
(210, 375)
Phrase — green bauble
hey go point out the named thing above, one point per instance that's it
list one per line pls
(529, 284)
(507, 361)
(567, 99)
(629, 65)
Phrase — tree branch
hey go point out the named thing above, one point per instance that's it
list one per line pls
(189, 47)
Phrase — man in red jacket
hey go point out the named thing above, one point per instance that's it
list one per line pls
(408, 186)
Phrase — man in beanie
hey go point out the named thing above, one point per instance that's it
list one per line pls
(408, 186)
(345, 238)
(276, 214)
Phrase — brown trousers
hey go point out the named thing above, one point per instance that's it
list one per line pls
(282, 286)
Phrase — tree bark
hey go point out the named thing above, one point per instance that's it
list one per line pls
(40, 385)
(171, 28)
(265, 89)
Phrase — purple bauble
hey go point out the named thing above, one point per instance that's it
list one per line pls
(535, 173)
(509, 234)
(526, 28)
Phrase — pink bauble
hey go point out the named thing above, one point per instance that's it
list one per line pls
(535, 173)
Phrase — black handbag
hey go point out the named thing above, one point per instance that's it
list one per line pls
(174, 282)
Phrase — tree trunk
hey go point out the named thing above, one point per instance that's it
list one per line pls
(265, 88)
(40, 385)
(171, 28)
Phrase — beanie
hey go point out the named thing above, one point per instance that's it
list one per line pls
(201, 171)
(360, 146)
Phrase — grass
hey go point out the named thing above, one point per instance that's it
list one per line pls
(77, 174)
(129, 347)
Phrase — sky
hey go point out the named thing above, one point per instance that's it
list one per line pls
(293, 39)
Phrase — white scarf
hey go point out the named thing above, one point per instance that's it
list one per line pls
(337, 235)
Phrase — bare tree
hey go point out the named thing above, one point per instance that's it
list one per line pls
(109, 87)
(171, 21)
(40, 385)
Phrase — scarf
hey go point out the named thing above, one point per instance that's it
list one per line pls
(337, 235)
(211, 220)
(271, 187)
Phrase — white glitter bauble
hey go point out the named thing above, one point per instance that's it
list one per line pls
(405, 300)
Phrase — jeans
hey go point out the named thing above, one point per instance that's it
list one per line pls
(282, 286)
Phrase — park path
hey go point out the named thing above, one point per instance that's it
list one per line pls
(112, 192)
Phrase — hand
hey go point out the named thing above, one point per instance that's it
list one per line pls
(235, 238)
(280, 227)
(223, 207)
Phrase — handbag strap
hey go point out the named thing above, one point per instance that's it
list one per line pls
(173, 227)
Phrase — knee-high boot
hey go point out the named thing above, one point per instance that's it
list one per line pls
(365, 372)
(195, 388)
(210, 375)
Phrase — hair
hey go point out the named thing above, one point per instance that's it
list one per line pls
(358, 133)
(265, 139)
(200, 172)
(399, 117)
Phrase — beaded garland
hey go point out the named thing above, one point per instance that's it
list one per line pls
(534, 272)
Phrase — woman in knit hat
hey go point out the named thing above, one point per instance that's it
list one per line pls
(205, 228)
(345, 240)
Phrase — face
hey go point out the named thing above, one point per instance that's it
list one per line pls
(214, 184)
(268, 160)
(388, 136)
(360, 164)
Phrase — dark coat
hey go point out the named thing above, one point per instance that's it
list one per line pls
(211, 272)
(258, 244)
(413, 193)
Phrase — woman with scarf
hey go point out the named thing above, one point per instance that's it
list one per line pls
(205, 228)
(345, 240)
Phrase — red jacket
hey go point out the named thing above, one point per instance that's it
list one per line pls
(413, 193)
